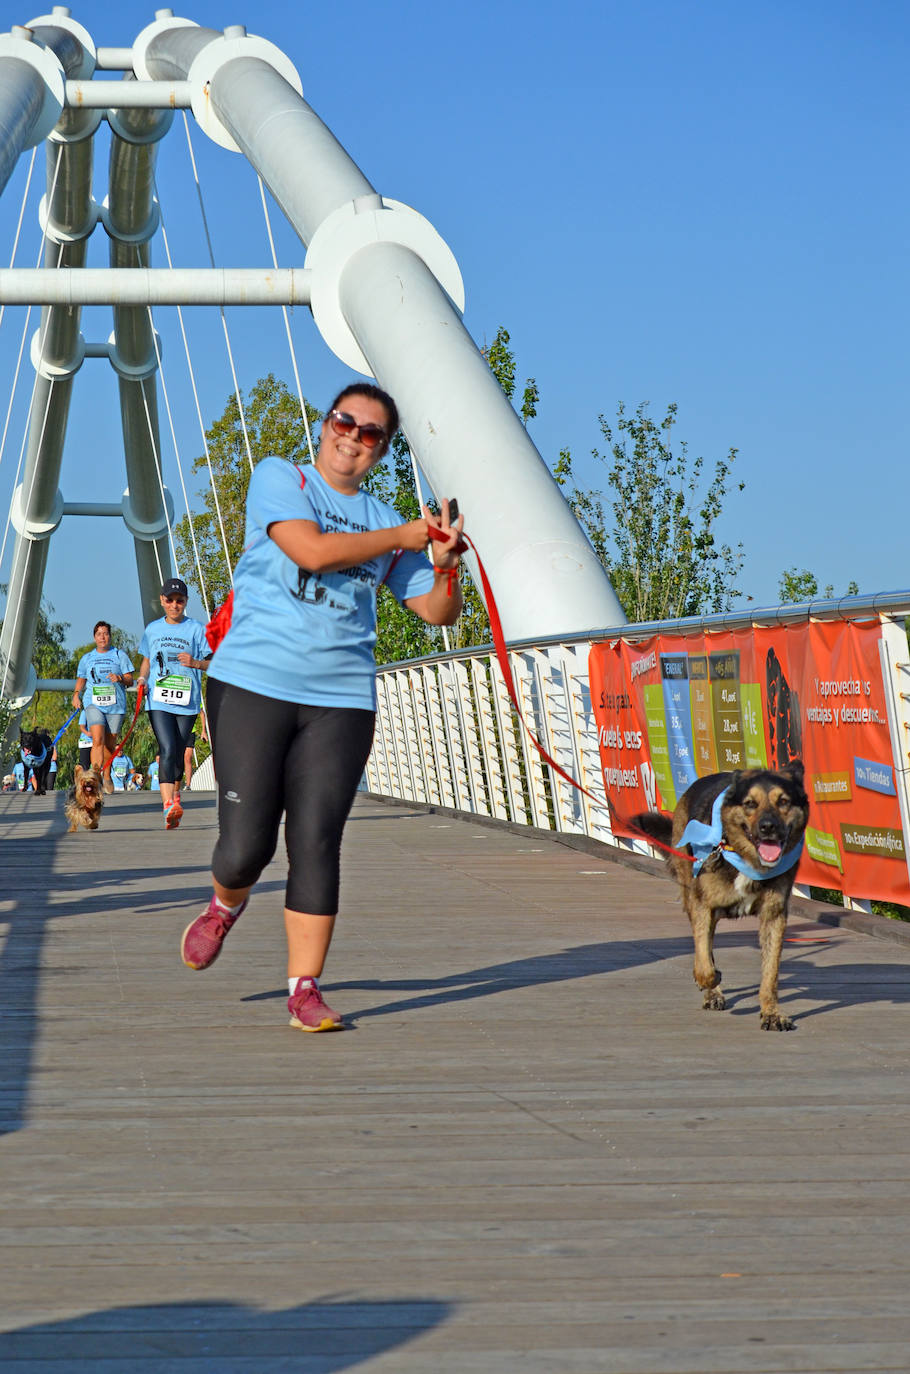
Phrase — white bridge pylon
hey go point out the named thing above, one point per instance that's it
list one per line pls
(384, 289)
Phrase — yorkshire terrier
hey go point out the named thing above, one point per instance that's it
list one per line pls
(85, 800)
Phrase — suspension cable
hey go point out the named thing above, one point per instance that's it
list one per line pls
(28, 316)
(205, 442)
(186, 499)
(45, 325)
(227, 337)
(28, 182)
(287, 322)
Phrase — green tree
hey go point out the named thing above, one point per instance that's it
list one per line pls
(666, 561)
(274, 425)
(588, 506)
(796, 586)
(662, 553)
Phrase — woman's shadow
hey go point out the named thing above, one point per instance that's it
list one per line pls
(802, 977)
(331, 1334)
(580, 961)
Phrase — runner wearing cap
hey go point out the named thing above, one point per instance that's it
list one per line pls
(175, 655)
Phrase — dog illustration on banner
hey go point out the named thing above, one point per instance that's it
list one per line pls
(739, 837)
(784, 729)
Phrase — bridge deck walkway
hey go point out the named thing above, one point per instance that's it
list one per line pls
(531, 1151)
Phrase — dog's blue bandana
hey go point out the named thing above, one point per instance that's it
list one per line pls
(705, 840)
(34, 760)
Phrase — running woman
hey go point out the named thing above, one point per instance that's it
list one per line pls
(102, 677)
(291, 697)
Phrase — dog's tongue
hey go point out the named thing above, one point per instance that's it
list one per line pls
(769, 853)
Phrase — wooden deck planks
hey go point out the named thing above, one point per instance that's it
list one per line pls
(532, 1151)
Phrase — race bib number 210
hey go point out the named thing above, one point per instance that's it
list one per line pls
(173, 690)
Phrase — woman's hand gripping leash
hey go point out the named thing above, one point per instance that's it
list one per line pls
(447, 539)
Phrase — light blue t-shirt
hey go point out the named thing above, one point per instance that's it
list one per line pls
(121, 769)
(19, 774)
(301, 636)
(154, 784)
(172, 687)
(96, 668)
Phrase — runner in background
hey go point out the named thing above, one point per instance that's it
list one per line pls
(121, 772)
(175, 655)
(85, 744)
(102, 677)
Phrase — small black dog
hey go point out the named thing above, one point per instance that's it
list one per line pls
(36, 751)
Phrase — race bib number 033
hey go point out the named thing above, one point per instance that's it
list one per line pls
(104, 698)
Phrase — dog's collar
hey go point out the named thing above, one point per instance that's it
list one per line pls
(705, 840)
(34, 760)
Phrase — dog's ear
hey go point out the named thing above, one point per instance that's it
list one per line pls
(795, 770)
(78, 773)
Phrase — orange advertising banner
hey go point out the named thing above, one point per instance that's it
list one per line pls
(671, 709)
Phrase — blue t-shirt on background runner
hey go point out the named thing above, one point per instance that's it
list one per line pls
(85, 739)
(121, 769)
(308, 637)
(172, 687)
(154, 784)
(96, 667)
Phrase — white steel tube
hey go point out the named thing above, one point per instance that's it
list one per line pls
(131, 217)
(471, 444)
(155, 286)
(128, 95)
(22, 103)
(114, 59)
(468, 439)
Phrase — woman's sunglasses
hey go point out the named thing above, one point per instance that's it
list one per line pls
(345, 424)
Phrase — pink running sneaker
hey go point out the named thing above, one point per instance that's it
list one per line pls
(173, 814)
(309, 1012)
(203, 938)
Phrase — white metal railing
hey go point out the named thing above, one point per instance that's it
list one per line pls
(447, 733)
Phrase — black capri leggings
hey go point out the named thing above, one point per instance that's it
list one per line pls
(173, 734)
(277, 756)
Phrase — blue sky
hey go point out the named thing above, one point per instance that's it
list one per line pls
(700, 203)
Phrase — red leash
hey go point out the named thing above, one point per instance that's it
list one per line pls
(502, 655)
(140, 693)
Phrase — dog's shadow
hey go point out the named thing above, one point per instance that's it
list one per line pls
(828, 987)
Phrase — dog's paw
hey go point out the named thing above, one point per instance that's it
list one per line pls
(714, 1000)
(774, 1021)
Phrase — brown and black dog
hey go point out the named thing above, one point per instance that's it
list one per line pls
(746, 839)
(85, 800)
